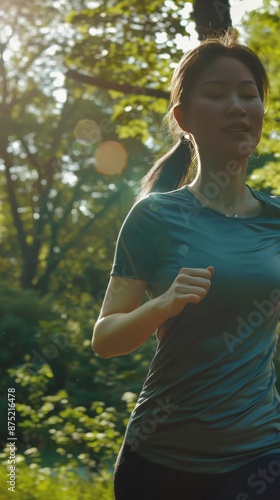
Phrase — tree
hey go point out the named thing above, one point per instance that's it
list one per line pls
(262, 32)
(48, 175)
(126, 49)
(211, 17)
(60, 214)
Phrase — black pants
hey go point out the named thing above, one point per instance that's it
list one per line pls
(139, 479)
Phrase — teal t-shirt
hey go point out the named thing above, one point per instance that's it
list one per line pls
(209, 402)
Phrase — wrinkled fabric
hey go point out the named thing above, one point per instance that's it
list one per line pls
(209, 401)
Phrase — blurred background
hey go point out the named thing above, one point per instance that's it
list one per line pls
(83, 89)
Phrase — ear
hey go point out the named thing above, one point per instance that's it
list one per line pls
(180, 117)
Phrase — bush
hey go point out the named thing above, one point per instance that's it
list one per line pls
(33, 482)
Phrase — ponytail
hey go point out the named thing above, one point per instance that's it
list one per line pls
(171, 170)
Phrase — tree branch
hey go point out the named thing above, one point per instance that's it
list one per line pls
(14, 206)
(33, 160)
(54, 260)
(125, 88)
(3, 74)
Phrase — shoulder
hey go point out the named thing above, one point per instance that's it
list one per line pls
(157, 200)
(145, 213)
(273, 201)
(152, 212)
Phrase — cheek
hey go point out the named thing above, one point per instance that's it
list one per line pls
(258, 115)
(204, 121)
(258, 123)
(209, 126)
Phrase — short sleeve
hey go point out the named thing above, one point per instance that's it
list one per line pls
(137, 244)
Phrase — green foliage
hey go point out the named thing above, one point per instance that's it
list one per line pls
(21, 312)
(60, 218)
(36, 482)
(262, 36)
(55, 200)
(69, 401)
(81, 436)
(131, 43)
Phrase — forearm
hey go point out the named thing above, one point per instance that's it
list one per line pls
(121, 333)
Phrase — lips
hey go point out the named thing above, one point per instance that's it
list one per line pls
(237, 127)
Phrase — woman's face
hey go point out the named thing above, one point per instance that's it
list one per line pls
(225, 112)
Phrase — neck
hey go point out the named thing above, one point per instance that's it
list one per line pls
(223, 188)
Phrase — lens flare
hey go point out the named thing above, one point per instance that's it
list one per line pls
(110, 158)
(87, 132)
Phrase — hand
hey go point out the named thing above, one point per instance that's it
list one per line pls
(191, 285)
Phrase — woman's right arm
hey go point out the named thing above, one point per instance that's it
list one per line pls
(124, 325)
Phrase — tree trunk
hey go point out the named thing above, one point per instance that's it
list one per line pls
(211, 17)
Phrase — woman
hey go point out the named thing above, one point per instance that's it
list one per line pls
(206, 248)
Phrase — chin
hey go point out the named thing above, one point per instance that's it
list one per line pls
(245, 148)
(241, 149)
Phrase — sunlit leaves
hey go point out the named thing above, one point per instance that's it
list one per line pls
(71, 210)
(268, 177)
(130, 42)
(62, 482)
(263, 37)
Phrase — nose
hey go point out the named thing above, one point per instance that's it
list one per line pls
(235, 106)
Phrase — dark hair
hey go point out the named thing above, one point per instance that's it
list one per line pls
(175, 168)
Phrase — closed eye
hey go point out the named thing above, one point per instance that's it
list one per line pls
(222, 96)
(250, 96)
(215, 96)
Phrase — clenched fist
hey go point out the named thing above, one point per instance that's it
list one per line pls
(190, 285)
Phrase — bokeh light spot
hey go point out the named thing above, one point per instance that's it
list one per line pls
(87, 132)
(110, 158)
